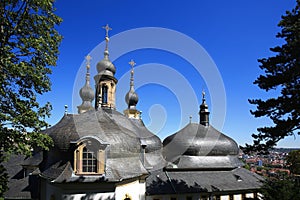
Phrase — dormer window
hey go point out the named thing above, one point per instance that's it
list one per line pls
(89, 159)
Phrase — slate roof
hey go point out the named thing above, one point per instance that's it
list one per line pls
(199, 146)
(18, 184)
(117, 169)
(173, 182)
(123, 136)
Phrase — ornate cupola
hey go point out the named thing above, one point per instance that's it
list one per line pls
(131, 97)
(105, 80)
(86, 92)
(204, 113)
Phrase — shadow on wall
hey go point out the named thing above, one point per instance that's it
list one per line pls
(172, 187)
(90, 196)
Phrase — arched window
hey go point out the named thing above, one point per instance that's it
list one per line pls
(104, 93)
(87, 161)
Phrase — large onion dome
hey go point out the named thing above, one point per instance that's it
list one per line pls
(105, 66)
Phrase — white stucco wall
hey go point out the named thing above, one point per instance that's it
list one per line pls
(196, 197)
(237, 197)
(249, 195)
(225, 197)
(135, 190)
(94, 196)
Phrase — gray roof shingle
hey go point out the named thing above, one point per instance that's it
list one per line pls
(172, 182)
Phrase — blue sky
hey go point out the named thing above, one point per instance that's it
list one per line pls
(234, 34)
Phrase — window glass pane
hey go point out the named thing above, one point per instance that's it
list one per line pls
(84, 169)
(89, 161)
(84, 155)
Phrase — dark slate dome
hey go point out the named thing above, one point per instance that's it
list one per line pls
(105, 66)
(198, 143)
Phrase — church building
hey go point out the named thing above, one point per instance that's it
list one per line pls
(101, 154)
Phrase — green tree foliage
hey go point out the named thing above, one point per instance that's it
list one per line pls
(281, 73)
(293, 159)
(276, 189)
(28, 48)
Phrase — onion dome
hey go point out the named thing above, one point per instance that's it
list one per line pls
(86, 92)
(131, 97)
(105, 66)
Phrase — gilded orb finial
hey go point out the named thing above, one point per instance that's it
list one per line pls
(132, 64)
(203, 94)
(88, 59)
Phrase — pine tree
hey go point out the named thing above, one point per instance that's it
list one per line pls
(281, 73)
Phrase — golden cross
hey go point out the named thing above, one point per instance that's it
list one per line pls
(132, 63)
(107, 29)
(88, 59)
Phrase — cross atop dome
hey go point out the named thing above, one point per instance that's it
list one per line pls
(107, 29)
(132, 63)
(88, 59)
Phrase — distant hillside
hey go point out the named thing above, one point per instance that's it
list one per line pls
(285, 150)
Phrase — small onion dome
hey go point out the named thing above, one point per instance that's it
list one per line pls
(131, 97)
(204, 106)
(86, 93)
(105, 66)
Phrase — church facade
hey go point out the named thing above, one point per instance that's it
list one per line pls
(101, 153)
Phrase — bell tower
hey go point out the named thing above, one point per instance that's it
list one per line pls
(105, 80)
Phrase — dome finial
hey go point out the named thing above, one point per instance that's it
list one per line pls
(107, 29)
(203, 94)
(88, 59)
(131, 97)
(204, 113)
(86, 92)
(132, 64)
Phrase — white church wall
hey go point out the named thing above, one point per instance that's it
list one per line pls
(237, 197)
(93, 196)
(134, 190)
(225, 197)
(249, 195)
